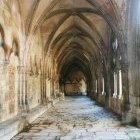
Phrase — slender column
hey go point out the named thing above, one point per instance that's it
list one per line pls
(96, 86)
(20, 95)
(25, 92)
(120, 84)
(100, 83)
(103, 86)
(107, 88)
(115, 85)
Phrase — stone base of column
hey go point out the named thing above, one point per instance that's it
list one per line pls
(138, 117)
(128, 118)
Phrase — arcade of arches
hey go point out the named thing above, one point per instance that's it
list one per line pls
(50, 49)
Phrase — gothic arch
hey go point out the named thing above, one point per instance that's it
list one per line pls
(15, 47)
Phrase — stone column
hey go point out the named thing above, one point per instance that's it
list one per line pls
(133, 46)
(25, 92)
(41, 82)
(96, 86)
(100, 83)
(103, 85)
(107, 88)
(43, 79)
(120, 84)
(21, 97)
(115, 84)
(126, 114)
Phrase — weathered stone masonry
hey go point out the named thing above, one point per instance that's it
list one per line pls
(49, 49)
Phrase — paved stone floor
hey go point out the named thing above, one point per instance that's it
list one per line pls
(78, 118)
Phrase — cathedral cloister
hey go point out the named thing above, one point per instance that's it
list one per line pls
(70, 69)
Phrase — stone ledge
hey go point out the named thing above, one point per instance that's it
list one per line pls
(13, 126)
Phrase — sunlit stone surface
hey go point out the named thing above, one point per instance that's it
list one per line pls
(78, 118)
(50, 49)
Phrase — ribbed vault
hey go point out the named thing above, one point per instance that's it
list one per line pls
(76, 33)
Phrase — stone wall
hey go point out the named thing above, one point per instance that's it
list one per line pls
(9, 60)
(78, 88)
(75, 83)
(20, 64)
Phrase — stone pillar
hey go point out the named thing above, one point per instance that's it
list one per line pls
(120, 84)
(134, 57)
(115, 85)
(103, 86)
(43, 79)
(96, 86)
(107, 88)
(126, 114)
(25, 92)
(100, 83)
(21, 96)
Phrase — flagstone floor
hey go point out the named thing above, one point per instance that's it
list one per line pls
(78, 118)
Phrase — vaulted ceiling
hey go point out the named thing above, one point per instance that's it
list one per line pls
(76, 32)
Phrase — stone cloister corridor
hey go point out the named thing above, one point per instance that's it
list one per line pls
(71, 61)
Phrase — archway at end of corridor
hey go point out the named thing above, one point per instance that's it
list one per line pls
(74, 83)
(75, 79)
